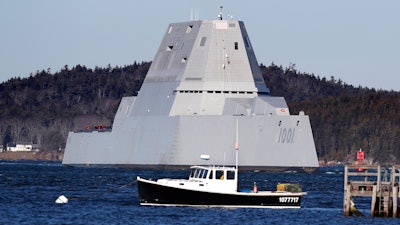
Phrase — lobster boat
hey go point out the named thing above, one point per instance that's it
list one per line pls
(215, 186)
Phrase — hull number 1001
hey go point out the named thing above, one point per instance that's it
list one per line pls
(286, 135)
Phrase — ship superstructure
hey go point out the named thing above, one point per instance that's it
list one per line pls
(203, 76)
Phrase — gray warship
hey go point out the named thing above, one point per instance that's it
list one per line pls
(203, 77)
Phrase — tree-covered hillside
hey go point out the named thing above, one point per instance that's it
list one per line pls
(44, 107)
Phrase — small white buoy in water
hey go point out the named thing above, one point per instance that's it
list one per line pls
(62, 200)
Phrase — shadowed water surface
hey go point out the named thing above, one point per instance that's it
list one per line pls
(109, 196)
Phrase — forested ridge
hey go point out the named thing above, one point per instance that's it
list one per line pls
(45, 106)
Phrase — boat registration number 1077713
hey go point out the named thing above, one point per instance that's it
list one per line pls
(288, 199)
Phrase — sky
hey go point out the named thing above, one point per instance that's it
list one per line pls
(356, 41)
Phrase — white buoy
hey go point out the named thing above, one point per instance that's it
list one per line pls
(62, 200)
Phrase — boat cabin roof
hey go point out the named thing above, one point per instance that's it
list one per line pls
(213, 173)
(213, 167)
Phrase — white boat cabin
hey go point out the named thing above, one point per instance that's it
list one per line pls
(207, 178)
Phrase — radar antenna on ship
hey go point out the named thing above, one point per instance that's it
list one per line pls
(220, 13)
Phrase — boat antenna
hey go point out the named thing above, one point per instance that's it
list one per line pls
(237, 143)
(237, 153)
(223, 165)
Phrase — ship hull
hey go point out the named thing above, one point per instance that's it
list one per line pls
(151, 193)
(171, 143)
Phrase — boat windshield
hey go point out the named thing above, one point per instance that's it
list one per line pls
(198, 173)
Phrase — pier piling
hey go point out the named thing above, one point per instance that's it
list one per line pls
(373, 181)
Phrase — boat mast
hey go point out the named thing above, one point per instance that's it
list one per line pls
(237, 151)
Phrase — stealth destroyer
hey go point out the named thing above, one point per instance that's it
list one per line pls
(203, 77)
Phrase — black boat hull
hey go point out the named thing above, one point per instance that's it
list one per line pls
(151, 193)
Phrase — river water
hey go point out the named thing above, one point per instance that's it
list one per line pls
(28, 191)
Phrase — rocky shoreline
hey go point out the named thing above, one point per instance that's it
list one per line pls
(35, 156)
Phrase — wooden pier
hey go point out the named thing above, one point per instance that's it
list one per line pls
(376, 182)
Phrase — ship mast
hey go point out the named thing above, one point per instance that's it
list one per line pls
(220, 13)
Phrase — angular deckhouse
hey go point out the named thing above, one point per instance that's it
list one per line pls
(204, 76)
